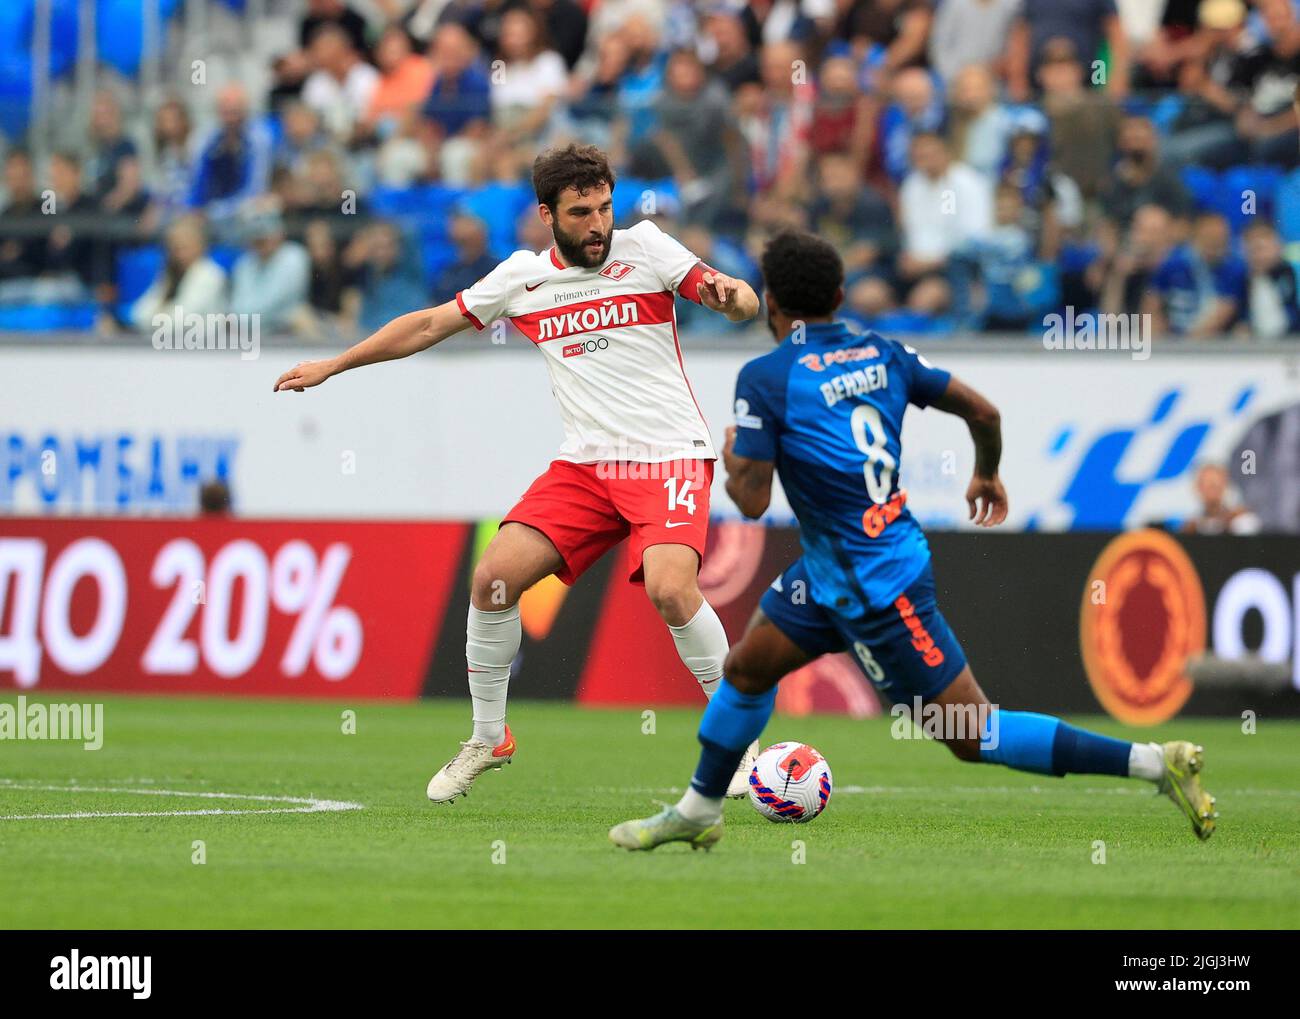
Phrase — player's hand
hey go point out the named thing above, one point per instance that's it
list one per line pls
(304, 375)
(987, 500)
(729, 449)
(718, 292)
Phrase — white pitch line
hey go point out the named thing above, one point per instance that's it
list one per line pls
(303, 804)
(1131, 789)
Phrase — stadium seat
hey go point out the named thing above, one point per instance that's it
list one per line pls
(136, 269)
(1263, 180)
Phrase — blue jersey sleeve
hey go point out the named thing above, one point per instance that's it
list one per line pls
(760, 404)
(925, 383)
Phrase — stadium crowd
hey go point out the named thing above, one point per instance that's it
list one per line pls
(979, 163)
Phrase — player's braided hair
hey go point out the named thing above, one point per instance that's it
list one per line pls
(581, 167)
(803, 272)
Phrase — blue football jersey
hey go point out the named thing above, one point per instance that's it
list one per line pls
(828, 411)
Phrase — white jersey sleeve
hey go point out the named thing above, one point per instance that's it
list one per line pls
(668, 257)
(489, 299)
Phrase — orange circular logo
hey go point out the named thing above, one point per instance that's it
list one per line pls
(1142, 619)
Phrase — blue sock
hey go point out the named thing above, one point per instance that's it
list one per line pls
(1048, 746)
(731, 722)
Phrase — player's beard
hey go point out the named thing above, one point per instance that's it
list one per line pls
(578, 251)
(771, 325)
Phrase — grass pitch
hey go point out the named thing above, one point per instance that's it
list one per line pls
(911, 837)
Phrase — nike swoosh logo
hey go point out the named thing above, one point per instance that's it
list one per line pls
(680, 523)
(534, 286)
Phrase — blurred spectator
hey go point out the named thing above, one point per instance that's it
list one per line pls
(943, 206)
(468, 235)
(1219, 512)
(1269, 73)
(1179, 34)
(420, 18)
(214, 498)
(697, 142)
(171, 164)
(1201, 285)
(1017, 289)
(22, 232)
(113, 170)
(969, 33)
(775, 121)
(565, 23)
(1082, 122)
(388, 274)
(594, 114)
(980, 126)
(728, 51)
(1087, 24)
(234, 162)
(71, 250)
(1202, 112)
(1271, 446)
(855, 217)
(532, 79)
(531, 234)
(190, 280)
(273, 277)
(1140, 177)
(916, 106)
(898, 27)
(1138, 253)
(341, 86)
(459, 103)
(1272, 301)
(403, 156)
(405, 80)
(643, 78)
(320, 190)
(844, 119)
(301, 134)
(335, 14)
(329, 293)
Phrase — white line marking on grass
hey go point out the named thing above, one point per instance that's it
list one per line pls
(302, 804)
(1135, 788)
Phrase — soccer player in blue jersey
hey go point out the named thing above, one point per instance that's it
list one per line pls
(825, 411)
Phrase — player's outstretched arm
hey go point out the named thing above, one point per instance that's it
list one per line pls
(749, 482)
(734, 298)
(403, 336)
(985, 496)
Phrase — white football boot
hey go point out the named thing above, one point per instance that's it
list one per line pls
(738, 787)
(475, 757)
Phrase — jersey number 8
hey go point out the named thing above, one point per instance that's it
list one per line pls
(866, 419)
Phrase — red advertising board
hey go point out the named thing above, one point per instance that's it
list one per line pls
(215, 605)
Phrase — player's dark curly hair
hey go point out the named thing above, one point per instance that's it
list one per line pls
(803, 272)
(581, 167)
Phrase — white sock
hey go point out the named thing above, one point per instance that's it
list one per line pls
(491, 643)
(1146, 760)
(702, 644)
(700, 809)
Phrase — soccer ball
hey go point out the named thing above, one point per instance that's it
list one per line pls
(790, 782)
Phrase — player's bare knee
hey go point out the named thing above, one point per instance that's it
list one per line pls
(489, 590)
(674, 599)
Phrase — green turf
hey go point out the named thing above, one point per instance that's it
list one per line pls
(922, 841)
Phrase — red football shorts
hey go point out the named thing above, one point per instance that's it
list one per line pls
(587, 509)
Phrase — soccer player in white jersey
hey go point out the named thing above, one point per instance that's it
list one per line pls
(637, 459)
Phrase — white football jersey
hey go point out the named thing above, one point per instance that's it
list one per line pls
(609, 336)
